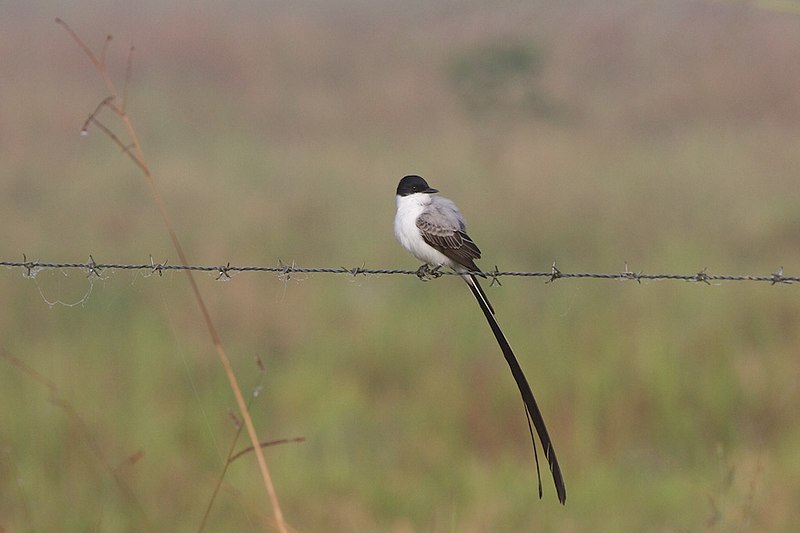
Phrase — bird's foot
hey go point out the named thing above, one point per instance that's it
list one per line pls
(426, 273)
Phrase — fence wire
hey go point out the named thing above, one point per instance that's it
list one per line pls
(285, 271)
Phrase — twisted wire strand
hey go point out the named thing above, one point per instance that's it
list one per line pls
(93, 268)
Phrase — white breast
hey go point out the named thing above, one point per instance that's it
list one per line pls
(407, 232)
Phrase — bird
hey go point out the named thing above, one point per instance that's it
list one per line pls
(434, 231)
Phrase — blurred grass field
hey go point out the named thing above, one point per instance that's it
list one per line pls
(590, 133)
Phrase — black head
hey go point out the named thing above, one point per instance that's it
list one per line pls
(413, 184)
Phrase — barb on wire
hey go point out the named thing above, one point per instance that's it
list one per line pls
(285, 270)
(223, 272)
(355, 271)
(157, 267)
(636, 276)
(777, 277)
(493, 275)
(424, 273)
(29, 266)
(555, 273)
(93, 269)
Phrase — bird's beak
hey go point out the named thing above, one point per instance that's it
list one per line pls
(430, 190)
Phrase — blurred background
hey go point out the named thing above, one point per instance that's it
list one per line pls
(664, 135)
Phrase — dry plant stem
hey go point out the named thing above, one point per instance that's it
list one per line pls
(231, 458)
(221, 477)
(265, 444)
(227, 464)
(136, 153)
(56, 399)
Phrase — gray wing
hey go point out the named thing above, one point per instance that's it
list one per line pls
(443, 228)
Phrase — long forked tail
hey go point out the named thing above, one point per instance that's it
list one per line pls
(531, 408)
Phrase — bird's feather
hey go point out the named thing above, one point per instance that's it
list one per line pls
(443, 228)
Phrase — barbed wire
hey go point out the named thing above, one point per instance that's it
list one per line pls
(285, 271)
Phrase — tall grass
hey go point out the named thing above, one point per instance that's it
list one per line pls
(280, 131)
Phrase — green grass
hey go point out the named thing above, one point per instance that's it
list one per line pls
(280, 131)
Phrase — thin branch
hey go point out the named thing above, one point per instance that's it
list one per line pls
(139, 160)
(106, 102)
(265, 444)
(261, 373)
(128, 68)
(99, 63)
(86, 50)
(55, 398)
(125, 149)
(104, 53)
